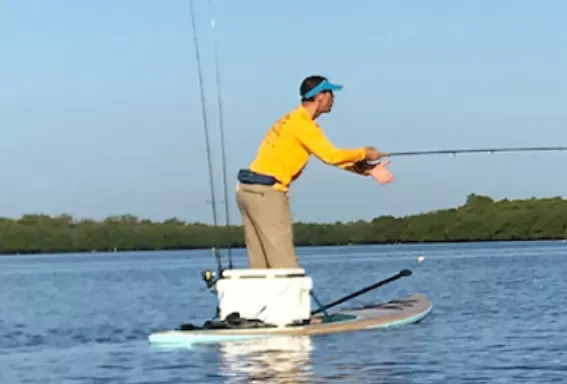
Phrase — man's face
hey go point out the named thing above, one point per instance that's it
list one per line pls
(325, 101)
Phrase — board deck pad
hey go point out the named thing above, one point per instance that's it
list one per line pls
(407, 310)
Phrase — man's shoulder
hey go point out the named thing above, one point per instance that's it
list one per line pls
(298, 117)
(301, 113)
(294, 113)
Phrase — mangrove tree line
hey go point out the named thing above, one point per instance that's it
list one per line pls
(480, 218)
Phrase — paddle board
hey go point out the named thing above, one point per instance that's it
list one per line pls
(407, 310)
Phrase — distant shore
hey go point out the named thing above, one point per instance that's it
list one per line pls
(242, 247)
(480, 219)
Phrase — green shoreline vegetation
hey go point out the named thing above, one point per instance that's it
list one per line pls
(480, 218)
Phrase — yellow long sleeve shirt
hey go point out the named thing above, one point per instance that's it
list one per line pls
(286, 148)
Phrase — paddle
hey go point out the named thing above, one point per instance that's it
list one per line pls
(402, 273)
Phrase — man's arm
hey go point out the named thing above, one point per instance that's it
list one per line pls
(313, 138)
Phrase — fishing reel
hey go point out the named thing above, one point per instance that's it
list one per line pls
(208, 277)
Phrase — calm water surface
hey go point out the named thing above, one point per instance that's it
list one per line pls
(499, 316)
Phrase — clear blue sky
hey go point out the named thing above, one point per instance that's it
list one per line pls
(100, 112)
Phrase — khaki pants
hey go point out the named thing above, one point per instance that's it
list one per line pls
(267, 223)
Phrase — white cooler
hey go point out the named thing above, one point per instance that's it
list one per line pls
(276, 296)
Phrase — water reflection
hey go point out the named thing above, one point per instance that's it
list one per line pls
(285, 359)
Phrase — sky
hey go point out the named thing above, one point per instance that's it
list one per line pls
(100, 110)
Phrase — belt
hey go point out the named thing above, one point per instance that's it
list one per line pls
(246, 176)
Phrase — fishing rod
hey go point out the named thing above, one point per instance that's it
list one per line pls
(206, 131)
(221, 129)
(402, 273)
(490, 150)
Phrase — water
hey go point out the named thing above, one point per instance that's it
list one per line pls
(499, 316)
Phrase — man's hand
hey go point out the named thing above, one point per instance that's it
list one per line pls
(377, 170)
(360, 168)
(372, 154)
(381, 174)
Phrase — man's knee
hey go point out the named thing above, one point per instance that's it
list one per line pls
(281, 251)
(288, 261)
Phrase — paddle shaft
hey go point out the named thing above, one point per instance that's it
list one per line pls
(402, 273)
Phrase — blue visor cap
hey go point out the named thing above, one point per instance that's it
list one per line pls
(324, 85)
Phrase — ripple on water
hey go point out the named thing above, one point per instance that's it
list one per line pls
(498, 317)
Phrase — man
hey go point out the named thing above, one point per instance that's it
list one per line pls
(261, 193)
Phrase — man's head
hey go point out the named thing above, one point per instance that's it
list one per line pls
(317, 94)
